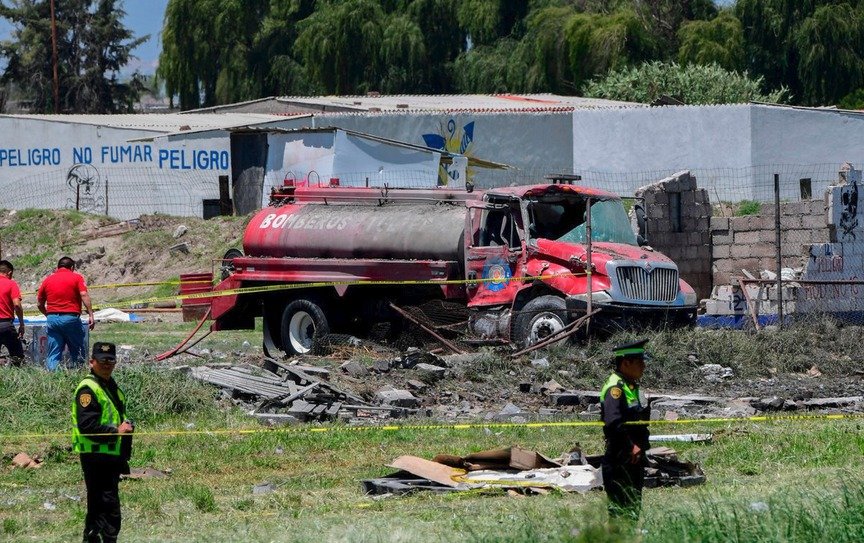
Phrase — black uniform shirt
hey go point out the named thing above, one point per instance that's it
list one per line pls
(614, 411)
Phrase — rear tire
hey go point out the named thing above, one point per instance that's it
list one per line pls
(304, 325)
(539, 319)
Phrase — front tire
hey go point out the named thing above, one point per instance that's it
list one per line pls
(539, 319)
(304, 325)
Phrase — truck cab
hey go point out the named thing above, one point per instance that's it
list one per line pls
(537, 257)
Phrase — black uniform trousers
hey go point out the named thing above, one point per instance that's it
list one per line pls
(102, 478)
(623, 483)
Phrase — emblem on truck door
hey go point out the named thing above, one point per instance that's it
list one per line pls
(496, 273)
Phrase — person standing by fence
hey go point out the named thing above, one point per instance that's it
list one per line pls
(10, 307)
(60, 298)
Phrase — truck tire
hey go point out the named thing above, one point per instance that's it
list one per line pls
(226, 268)
(539, 319)
(304, 324)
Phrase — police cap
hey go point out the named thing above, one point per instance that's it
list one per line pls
(636, 348)
(104, 352)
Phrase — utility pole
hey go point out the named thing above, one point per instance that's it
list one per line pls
(54, 59)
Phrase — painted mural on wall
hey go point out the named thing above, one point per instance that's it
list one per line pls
(840, 260)
(86, 189)
(454, 139)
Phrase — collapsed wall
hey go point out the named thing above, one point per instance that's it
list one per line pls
(674, 218)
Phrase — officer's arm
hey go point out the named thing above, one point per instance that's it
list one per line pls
(89, 416)
(613, 420)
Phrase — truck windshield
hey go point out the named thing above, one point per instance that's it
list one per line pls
(565, 221)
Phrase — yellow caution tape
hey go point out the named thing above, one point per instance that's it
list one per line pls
(325, 284)
(465, 426)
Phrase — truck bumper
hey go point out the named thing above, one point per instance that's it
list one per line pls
(627, 317)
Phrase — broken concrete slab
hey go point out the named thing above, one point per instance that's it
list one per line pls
(429, 372)
(354, 368)
(419, 386)
(399, 398)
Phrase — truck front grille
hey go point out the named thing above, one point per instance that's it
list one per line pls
(658, 285)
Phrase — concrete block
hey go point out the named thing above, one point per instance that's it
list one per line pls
(701, 196)
(722, 239)
(813, 221)
(686, 183)
(399, 398)
(430, 373)
(763, 250)
(703, 224)
(739, 224)
(719, 223)
(741, 251)
(746, 238)
(721, 251)
(767, 236)
(699, 237)
(688, 200)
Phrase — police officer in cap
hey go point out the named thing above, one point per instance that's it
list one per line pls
(102, 435)
(620, 403)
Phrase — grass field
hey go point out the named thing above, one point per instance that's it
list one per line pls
(775, 481)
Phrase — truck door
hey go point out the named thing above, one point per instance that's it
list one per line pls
(493, 250)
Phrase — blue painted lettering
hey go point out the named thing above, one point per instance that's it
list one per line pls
(82, 155)
(193, 159)
(126, 154)
(43, 156)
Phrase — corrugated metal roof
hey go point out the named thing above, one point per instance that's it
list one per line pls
(450, 102)
(160, 122)
(420, 102)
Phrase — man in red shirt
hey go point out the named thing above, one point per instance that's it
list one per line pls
(10, 307)
(60, 297)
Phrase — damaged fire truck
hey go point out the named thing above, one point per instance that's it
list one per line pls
(520, 262)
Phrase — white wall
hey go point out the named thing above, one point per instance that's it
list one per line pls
(537, 143)
(622, 149)
(53, 165)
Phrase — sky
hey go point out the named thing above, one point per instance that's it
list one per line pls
(142, 17)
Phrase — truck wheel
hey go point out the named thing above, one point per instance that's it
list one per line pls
(226, 268)
(539, 319)
(303, 326)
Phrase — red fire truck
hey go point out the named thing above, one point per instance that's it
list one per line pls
(521, 262)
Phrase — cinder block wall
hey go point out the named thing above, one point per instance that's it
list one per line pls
(749, 242)
(677, 216)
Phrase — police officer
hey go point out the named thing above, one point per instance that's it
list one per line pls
(621, 402)
(100, 408)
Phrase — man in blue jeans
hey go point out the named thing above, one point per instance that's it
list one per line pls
(60, 298)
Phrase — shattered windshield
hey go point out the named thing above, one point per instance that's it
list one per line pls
(563, 219)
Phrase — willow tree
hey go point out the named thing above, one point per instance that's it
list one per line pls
(812, 47)
(206, 48)
(831, 53)
(92, 47)
(598, 43)
(717, 41)
(339, 44)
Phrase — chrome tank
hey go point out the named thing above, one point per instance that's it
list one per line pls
(416, 231)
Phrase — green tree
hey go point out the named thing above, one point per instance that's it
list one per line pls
(718, 41)
(693, 84)
(92, 47)
(813, 47)
(597, 43)
(340, 43)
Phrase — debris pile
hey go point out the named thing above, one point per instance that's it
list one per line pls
(517, 470)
